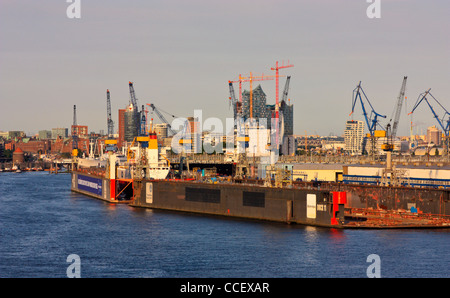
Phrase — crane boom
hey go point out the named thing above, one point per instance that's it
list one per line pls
(277, 107)
(109, 120)
(423, 97)
(161, 117)
(400, 98)
(371, 120)
(234, 102)
(133, 99)
(286, 89)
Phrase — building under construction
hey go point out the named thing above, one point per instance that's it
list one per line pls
(264, 113)
(132, 122)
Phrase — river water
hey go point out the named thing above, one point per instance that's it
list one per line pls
(42, 222)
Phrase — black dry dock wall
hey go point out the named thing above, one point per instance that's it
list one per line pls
(245, 201)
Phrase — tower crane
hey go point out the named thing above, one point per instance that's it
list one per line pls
(109, 120)
(277, 90)
(237, 105)
(280, 123)
(161, 117)
(251, 79)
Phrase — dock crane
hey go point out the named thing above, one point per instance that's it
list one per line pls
(237, 105)
(392, 133)
(277, 104)
(400, 98)
(134, 103)
(162, 118)
(286, 89)
(444, 124)
(285, 95)
(111, 144)
(109, 120)
(133, 99)
(372, 120)
(74, 133)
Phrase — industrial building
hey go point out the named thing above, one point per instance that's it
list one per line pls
(317, 172)
(417, 176)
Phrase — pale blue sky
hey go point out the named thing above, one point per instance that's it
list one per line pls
(181, 54)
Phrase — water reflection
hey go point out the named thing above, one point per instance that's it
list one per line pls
(122, 241)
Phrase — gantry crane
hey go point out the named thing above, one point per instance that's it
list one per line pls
(444, 124)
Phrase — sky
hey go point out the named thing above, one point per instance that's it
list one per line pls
(180, 55)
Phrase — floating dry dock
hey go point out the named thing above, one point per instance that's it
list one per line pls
(326, 206)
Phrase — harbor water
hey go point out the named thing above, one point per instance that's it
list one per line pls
(42, 223)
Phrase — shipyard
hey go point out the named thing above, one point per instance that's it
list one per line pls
(269, 139)
(254, 171)
(254, 168)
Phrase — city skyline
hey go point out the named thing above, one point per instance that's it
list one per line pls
(181, 54)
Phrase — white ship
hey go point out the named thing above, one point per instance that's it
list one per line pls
(142, 160)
